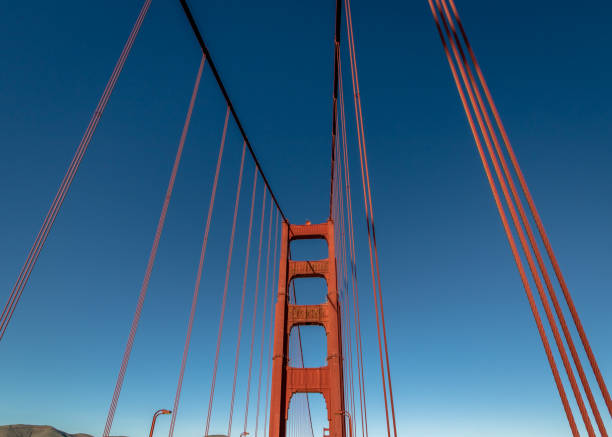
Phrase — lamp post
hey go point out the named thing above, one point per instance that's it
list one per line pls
(157, 413)
(346, 413)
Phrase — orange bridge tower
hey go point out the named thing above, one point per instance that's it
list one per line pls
(287, 380)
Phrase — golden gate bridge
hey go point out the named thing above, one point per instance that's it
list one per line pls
(342, 380)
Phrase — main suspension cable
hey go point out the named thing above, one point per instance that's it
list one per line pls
(217, 77)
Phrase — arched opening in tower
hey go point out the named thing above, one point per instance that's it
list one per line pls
(307, 416)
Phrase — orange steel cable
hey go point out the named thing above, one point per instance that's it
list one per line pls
(538, 256)
(58, 200)
(370, 223)
(340, 272)
(542, 232)
(509, 235)
(351, 251)
(152, 255)
(263, 320)
(355, 291)
(196, 290)
(370, 220)
(375, 248)
(244, 282)
(344, 304)
(338, 20)
(463, 67)
(225, 288)
(248, 390)
(346, 321)
(376, 310)
(276, 262)
(69, 176)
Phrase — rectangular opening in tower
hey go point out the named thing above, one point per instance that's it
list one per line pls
(308, 291)
(307, 346)
(309, 249)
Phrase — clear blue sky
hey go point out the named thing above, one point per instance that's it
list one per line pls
(466, 358)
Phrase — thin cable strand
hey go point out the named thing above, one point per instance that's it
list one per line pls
(152, 256)
(225, 288)
(270, 334)
(355, 290)
(196, 290)
(499, 155)
(248, 390)
(244, 282)
(58, 200)
(369, 224)
(542, 232)
(509, 235)
(263, 322)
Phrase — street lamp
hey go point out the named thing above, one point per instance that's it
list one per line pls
(346, 413)
(157, 413)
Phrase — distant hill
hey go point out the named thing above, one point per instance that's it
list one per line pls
(35, 431)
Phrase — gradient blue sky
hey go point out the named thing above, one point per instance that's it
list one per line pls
(465, 354)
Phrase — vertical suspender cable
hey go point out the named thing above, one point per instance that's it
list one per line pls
(347, 275)
(244, 282)
(344, 307)
(346, 319)
(273, 295)
(534, 246)
(463, 67)
(543, 235)
(335, 99)
(355, 292)
(41, 237)
(263, 321)
(248, 389)
(378, 302)
(507, 230)
(225, 288)
(196, 290)
(152, 255)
